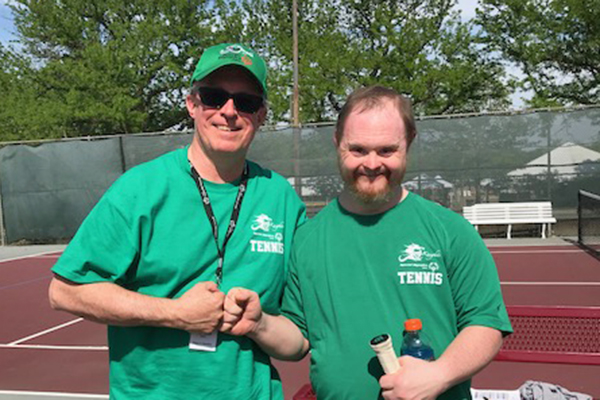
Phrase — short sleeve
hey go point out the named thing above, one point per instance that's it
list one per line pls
(474, 281)
(105, 246)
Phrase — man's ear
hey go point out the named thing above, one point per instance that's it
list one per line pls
(335, 140)
(262, 115)
(190, 105)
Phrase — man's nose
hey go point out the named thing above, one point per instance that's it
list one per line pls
(372, 161)
(228, 109)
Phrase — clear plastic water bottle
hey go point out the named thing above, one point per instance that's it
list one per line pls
(413, 343)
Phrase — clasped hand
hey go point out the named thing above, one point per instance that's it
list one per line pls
(204, 308)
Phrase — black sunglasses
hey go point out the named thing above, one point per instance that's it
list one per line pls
(216, 98)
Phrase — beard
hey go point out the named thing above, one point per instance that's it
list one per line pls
(374, 192)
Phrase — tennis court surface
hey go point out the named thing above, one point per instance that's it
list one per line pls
(43, 351)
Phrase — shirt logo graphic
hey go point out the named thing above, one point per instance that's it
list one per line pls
(415, 252)
(419, 266)
(267, 235)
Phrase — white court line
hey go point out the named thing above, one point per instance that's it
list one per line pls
(51, 347)
(535, 251)
(46, 331)
(44, 253)
(550, 283)
(26, 394)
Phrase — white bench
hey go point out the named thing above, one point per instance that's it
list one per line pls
(538, 212)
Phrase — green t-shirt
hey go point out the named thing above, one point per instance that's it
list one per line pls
(150, 234)
(354, 277)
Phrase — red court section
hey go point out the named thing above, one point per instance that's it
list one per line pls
(44, 350)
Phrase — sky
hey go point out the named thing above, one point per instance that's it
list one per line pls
(466, 7)
(7, 28)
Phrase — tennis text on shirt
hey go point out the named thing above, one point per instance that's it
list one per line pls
(267, 235)
(419, 266)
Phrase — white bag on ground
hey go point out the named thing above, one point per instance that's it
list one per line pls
(532, 390)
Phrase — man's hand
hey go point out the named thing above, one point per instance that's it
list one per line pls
(200, 309)
(415, 380)
(243, 312)
(275, 334)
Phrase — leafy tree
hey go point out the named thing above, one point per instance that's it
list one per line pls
(554, 42)
(107, 66)
(23, 113)
(421, 48)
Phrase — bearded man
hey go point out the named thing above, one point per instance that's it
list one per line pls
(373, 258)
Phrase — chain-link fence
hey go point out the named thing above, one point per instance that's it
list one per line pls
(48, 188)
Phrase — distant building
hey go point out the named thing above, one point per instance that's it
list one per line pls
(564, 160)
(424, 181)
(308, 188)
(433, 188)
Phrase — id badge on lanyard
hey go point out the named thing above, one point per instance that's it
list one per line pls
(208, 342)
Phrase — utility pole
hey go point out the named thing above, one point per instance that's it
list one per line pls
(549, 167)
(295, 102)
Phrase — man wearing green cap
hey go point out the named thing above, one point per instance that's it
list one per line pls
(159, 252)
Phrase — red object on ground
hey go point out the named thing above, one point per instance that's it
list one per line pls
(561, 335)
(305, 393)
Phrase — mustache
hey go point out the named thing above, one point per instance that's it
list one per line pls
(370, 174)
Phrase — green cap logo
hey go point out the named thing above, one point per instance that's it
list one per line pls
(224, 54)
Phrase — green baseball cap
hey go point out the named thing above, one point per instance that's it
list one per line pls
(224, 54)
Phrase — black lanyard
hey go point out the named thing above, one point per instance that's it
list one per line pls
(213, 221)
